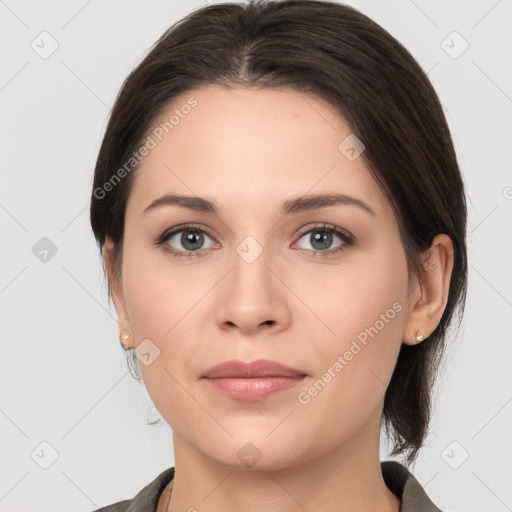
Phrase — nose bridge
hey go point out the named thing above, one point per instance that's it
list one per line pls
(250, 261)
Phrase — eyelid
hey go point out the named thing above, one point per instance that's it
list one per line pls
(327, 226)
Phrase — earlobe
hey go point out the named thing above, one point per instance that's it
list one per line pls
(117, 296)
(425, 311)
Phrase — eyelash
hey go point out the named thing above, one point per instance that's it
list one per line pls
(345, 236)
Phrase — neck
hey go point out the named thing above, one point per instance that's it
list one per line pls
(347, 478)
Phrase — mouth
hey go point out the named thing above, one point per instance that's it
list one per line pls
(253, 381)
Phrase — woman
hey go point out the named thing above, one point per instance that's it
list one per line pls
(282, 221)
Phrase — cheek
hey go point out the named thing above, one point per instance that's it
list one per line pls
(154, 295)
(162, 307)
(351, 297)
(363, 307)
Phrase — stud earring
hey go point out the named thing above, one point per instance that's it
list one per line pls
(124, 337)
(419, 337)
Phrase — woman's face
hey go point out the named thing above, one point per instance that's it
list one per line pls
(266, 279)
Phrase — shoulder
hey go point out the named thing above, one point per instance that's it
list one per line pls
(403, 484)
(146, 500)
(120, 506)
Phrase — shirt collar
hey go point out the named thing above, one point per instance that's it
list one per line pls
(401, 482)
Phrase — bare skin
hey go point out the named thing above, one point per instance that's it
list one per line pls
(250, 150)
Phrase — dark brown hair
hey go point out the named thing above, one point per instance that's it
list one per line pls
(338, 54)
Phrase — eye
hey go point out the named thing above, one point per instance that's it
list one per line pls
(190, 237)
(321, 238)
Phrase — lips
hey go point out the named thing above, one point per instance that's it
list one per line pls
(258, 368)
(251, 381)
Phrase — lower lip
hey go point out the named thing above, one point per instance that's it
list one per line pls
(252, 388)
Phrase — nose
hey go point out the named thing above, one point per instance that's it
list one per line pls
(252, 297)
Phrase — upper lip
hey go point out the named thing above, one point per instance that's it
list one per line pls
(258, 368)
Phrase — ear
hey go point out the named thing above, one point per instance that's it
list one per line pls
(429, 295)
(116, 294)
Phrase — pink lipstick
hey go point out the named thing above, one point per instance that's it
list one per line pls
(252, 381)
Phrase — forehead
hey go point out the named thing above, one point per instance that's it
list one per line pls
(245, 145)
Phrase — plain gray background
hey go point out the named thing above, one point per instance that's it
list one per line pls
(66, 393)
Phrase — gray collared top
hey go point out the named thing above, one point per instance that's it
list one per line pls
(397, 477)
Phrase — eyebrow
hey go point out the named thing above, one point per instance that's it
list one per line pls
(291, 206)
